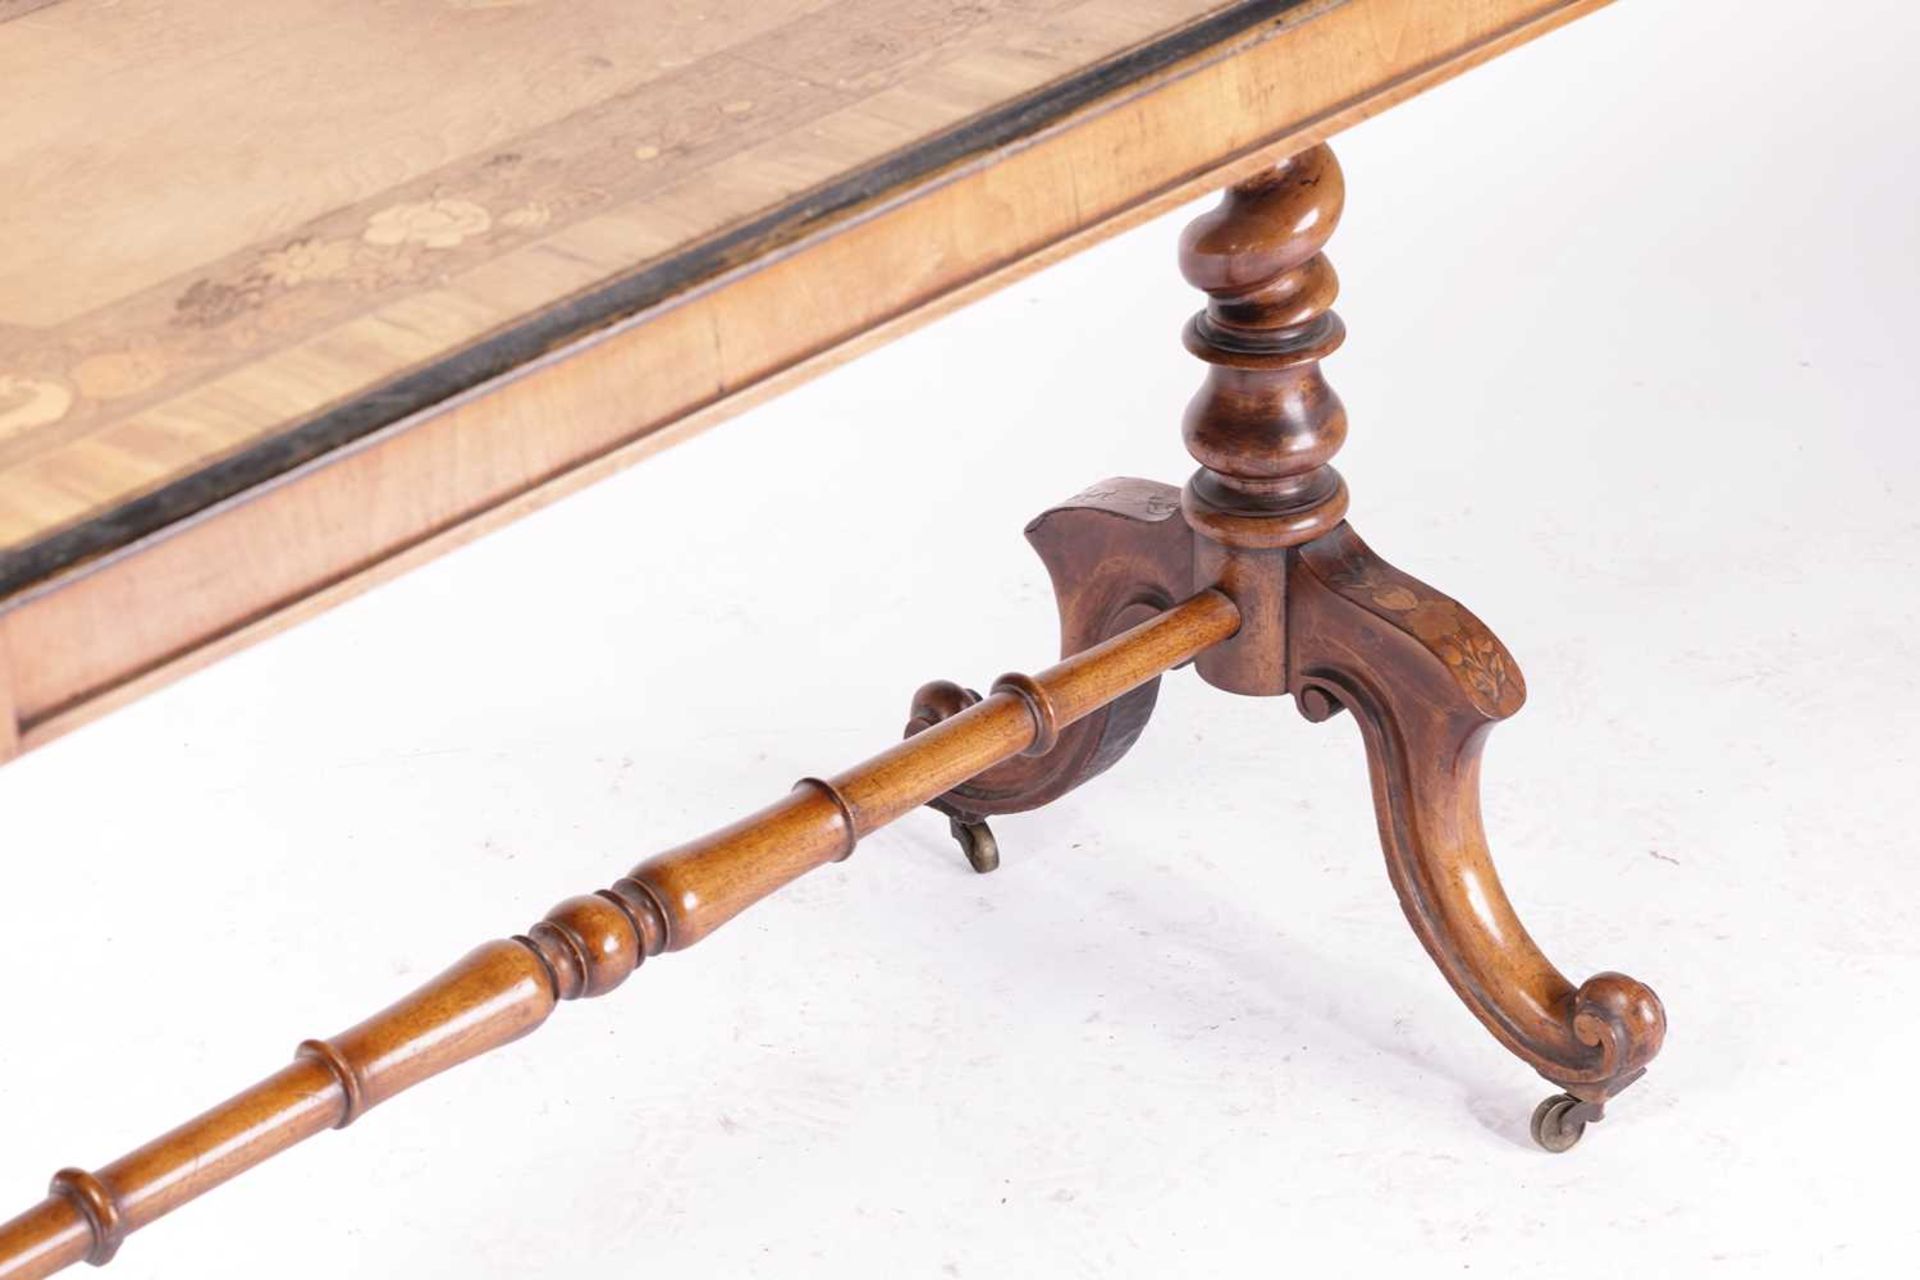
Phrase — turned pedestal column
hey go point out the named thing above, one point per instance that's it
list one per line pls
(1322, 618)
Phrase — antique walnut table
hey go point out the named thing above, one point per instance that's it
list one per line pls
(335, 285)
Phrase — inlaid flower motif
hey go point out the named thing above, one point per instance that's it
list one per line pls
(113, 374)
(1453, 635)
(437, 224)
(527, 216)
(209, 303)
(26, 403)
(307, 259)
(1396, 598)
(1478, 659)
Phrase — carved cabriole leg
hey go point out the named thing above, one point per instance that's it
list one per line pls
(1327, 621)
(1427, 681)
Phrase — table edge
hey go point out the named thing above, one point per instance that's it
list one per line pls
(31, 716)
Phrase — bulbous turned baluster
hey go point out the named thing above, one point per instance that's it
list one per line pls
(585, 946)
(593, 943)
(1266, 424)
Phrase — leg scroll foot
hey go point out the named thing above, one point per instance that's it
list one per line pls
(1426, 680)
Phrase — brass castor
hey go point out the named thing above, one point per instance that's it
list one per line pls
(1559, 1121)
(977, 842)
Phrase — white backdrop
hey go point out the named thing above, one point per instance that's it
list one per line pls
(1631, 373)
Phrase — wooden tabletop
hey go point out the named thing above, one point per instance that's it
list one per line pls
(292, 295)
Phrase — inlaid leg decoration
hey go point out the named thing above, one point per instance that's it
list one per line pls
(1118, 553)
(1427, 681)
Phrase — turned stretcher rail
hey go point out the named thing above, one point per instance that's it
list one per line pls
(588, 945)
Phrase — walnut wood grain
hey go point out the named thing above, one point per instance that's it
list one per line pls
(1265, 425)
(1337, 627)
(1427, 681)
(1323, 619)
(1117, 553)
(588, 945)
(528, 359)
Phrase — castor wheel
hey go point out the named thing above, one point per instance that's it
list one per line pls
(977, 842)
(1559, 1121)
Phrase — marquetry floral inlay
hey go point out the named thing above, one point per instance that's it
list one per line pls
(1450, 632)
(30, 402)
(1478, 660)
(113, 374)
(1475, 656)
(437, 224)
(527, 216)
(207, 304)
(1399, 599)
(303, 260)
